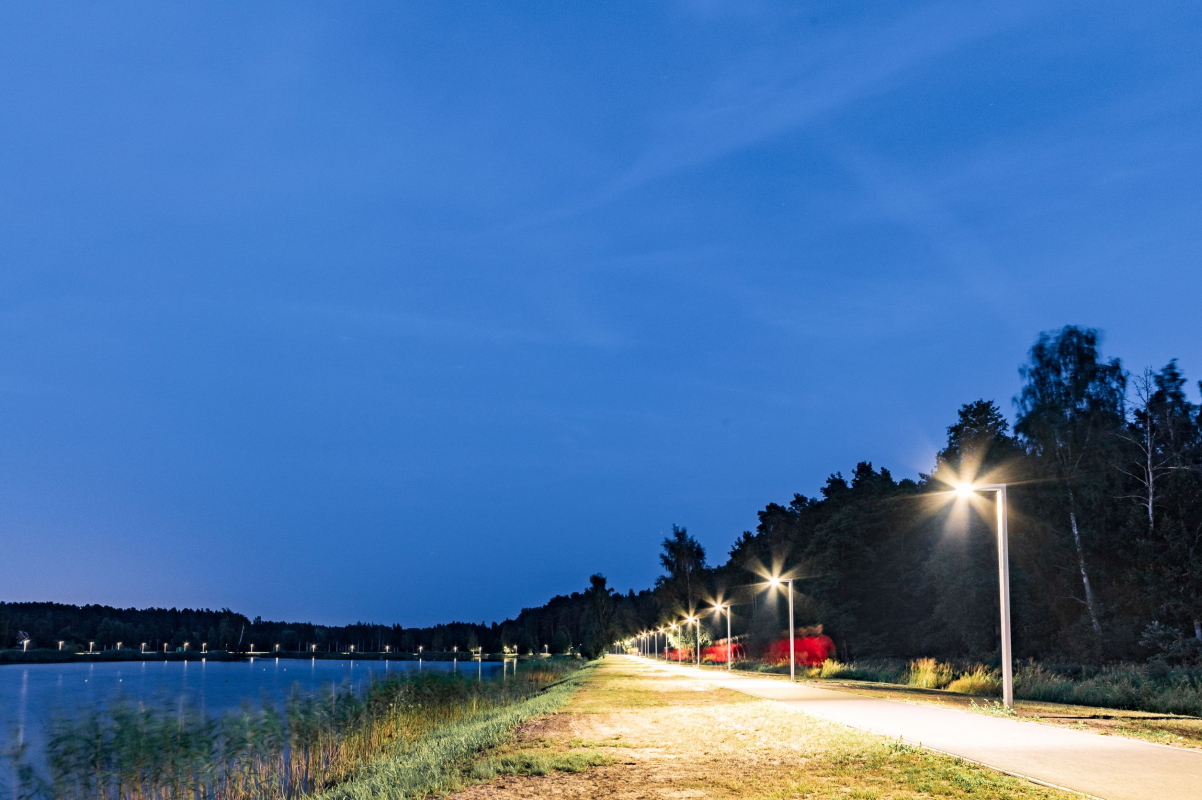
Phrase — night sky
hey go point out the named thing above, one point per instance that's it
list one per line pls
(410, 312)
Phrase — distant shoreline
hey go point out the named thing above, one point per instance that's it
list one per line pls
(16, 657)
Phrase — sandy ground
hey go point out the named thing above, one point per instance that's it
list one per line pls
(675, 737)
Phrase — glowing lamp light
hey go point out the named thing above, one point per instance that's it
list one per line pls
(965, 490)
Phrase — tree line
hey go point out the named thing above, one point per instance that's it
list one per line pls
(1104, 469)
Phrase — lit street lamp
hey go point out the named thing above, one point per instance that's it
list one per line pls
(718, 609)
(674, 626)
(697, 621)
(967, 490)
(792, 647)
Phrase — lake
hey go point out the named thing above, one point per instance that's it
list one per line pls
(31, 693)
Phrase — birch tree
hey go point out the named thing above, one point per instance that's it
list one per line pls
(1069, 409)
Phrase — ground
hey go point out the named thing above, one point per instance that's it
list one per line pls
(633, 733)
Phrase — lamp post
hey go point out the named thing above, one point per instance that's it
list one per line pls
(718, 609)
(674, 626)
(697, 650)
(792, 646)
(658, 633)
(1003, 574)
(143, 648)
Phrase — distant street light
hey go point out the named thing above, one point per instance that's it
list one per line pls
(143, 648)
(118, 645)
(718, 609)
(60, 645)
(776, 582)
(204, 647)
(968, 490)
(674, 626)
(25, 645)
(89, 646)
(696, 621)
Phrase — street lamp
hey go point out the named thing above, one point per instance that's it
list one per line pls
(204, 647)
(674, 626)
(60, 644)
(718, 609)
(89, 645)
(696, 621)
(118, 645)
(968, 490)
(774, 581)
(143, 648)
(658, 634)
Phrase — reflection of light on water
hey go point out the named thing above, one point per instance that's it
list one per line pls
(22, 701)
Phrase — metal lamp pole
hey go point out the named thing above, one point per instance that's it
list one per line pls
(792, 646)
(719, 609)
(1003, 574)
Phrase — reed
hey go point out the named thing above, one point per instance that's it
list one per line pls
(130, 751)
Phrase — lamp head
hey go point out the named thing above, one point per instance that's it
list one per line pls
(964, 490)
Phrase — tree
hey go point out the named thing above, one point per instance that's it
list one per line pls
(1164, 465)
(600, 630)
(1071, 405)
(683, 558)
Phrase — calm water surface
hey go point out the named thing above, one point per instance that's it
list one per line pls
(31, 694)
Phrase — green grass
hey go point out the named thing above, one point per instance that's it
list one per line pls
(527, 762)
(441, 760)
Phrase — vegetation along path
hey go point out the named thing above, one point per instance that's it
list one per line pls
(633, 731)
(1103, 766)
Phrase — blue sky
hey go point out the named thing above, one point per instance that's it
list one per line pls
(410, 312)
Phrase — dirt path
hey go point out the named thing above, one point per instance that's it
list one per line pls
(664, 736)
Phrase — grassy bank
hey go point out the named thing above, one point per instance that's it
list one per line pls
(441, 760)
(314, 744)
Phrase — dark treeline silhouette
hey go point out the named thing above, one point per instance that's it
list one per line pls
(1105, 500)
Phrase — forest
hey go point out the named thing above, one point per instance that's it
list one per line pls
(1104, 475)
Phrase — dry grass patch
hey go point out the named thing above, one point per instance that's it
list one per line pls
(652, 735)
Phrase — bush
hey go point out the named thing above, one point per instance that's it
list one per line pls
(929, 674)
(980, 682)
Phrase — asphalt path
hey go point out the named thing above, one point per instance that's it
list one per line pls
(1109, 767)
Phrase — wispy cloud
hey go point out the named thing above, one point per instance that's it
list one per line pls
(781, 90)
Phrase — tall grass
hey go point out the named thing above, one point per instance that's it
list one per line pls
(929, 674)
(434, 763)
(127, 751)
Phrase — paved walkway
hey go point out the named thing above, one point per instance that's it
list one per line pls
(1110, 767)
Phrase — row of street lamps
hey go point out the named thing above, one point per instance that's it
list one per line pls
(962, 490)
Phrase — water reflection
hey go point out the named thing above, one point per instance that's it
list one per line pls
(31, 694)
